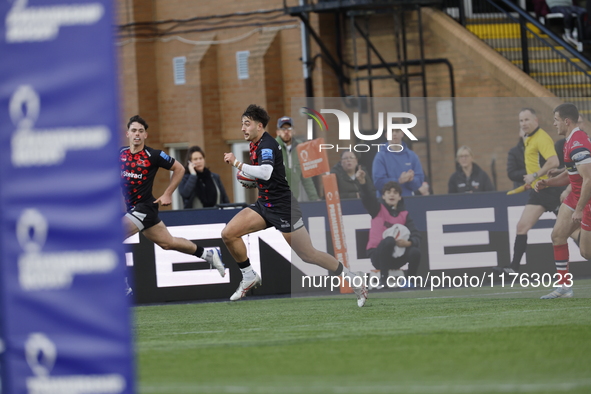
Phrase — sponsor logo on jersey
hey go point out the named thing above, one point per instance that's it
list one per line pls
(580, 156)
(577, 143)
(128, 174)
(267, 154)
(165, 156)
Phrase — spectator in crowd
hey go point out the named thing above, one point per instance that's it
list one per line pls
(400, 166)
(469, 177)
(540, 157)
(567, 9)
(201, 188)
(389, 249)
(346, 172)
(291, 161)
(516, 162)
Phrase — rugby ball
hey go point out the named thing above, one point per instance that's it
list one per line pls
(245, 180)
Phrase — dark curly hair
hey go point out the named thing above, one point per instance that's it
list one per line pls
(258, 114)
(392, 185)
(139, 119)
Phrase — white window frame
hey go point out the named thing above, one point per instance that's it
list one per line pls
(238, 148)
(173, 150)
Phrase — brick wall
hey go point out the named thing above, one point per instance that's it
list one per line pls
(206, 111)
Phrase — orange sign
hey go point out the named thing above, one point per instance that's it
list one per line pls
(335, 220)
(312, 160)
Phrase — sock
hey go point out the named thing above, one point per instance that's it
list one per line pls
(247, 271)
(561, 261)
(341, 269)
(244, 264)
(518, 250)
(199, 252)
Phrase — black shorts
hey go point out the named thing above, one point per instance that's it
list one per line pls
(549, 198)
(144, 215)
(284, 219)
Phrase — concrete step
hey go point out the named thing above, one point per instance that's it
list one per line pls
(561, 78)
(570, 90)
(552, 65)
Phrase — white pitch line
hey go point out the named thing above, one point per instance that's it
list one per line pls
(397, 387)
(505, 312)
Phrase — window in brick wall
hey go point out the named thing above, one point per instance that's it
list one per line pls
(242, 64)
(178, 67)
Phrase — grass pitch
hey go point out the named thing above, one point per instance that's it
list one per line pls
(498, 340)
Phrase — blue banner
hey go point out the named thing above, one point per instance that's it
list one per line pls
(65, 322)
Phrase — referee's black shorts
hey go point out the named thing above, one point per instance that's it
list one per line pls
(549, 198)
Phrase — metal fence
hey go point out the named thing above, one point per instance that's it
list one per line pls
(537, 49)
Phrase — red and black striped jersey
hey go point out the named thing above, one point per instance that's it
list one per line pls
(138, 171)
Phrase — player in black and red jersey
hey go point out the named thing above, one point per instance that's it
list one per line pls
(275, 207)
(575, 210)
(139, 165)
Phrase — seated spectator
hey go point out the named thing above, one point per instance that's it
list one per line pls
(469, 177)
(516, 162)
(201, 188)
(346, 170)
(567, 9)
(402, 167)
(385, 250)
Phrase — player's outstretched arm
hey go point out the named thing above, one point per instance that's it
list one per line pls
(559, 180)
(551, 162)
(177, 175)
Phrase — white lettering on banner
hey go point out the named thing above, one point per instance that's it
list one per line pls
(438, 240)
(134, 239)
(332, 214)
(165, 259)
(31, 147)
(317, 231)
(538, 235)
(41, 353)
(310, 165)
(34, 24)
(54, 270)
(351, 224)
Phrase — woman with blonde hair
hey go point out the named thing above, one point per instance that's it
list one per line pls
(469, 177)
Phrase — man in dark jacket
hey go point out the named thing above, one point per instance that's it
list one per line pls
(303, 189)
(516, 162)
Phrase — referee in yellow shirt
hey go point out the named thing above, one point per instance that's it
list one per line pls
(540, 157)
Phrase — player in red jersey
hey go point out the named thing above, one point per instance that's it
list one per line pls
(575, 210)
(139, 165)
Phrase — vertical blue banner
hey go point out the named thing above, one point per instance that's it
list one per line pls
(65, 322)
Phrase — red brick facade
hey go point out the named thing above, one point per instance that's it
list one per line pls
(206, 110)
